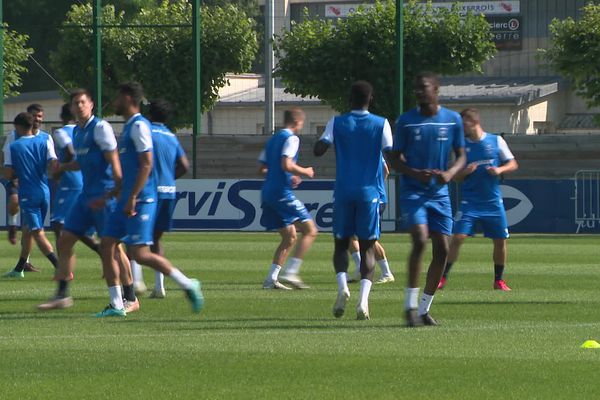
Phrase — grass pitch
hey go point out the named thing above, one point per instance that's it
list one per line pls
(252, 343)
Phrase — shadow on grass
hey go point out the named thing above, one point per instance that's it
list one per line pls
(503, 302)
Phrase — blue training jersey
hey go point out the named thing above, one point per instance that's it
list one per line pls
(480, 190)
(358, 137)
(136, 139)
(29, 160)
(167, 150)
(95, 171)
(278, 183)
(426, 143)
(69, 180)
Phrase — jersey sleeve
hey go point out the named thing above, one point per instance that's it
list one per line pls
(290, 147)
(386, 137)
(104, 136)
(7, 156)
(51, 155)
(327, 136)
(458, 140)
(62, 138)
(503, 150)
(399, 136)
(262, 158)
(141, 137)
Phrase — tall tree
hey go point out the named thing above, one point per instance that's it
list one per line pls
(321, 58)
(161, 58)
(16, 54)
(575, 53)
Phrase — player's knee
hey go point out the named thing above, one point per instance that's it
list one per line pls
(419, 243)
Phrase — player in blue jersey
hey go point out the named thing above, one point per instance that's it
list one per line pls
(488, 157)
(281, 209)
(97, 158)
(359, 138)
(424, 139)
(170, 163)
(380, 257)
(37, 111)
(30, 158)
(132, 221)
(69, 183)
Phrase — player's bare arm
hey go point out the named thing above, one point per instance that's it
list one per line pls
(288, 165)
(509, 166)
(459, 164)
(145, 167)
(397, 162)
(112, 158)
(182, 166)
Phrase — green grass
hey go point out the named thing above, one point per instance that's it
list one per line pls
(251, 343)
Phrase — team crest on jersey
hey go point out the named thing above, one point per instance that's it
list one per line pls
(417, 132)
(443, 133)
(489, 150)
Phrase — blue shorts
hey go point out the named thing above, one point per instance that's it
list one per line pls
(136, 230)
(164, 215)
(33, 212)
(356, 218)
(82, 219)
(494, 226)
(281, 213)
(435, 212)
(61, 204)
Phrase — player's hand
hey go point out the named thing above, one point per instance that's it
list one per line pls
(296, 181)
(310, 172)
(97, 204)
(494, 171)
(442, 177)
(114, 193)
(129, 208)
(424, 175)
(471, 168)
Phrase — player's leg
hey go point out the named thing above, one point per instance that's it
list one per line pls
(381, 259)
(355, 254)
(496, 228)
(130, 300)
(456, 242)
(12, 208)
(159, 279)
(418, 234)
(291, 271)
(288, 238)
(344, 229)
(45, 246)
(144, 256)
(367, 231)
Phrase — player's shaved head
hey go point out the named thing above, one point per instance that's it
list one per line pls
(293, 116)
(361, 94)
(432, 76)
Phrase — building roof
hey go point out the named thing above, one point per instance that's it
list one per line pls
(34, 97)
(579, 121)
(515, 91)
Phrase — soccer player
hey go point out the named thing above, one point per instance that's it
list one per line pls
(281, 209)
(37, 111)
(424, 139)
(170, 163)
(97, 158)
(30, 158)
(359, 138)
(132, 221)
(70, 183)
(488, 157)
(380, 257)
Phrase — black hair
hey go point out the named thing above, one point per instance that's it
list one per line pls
(35, 108)
(361, 94)
(133, 89)
(80, 92)
(429, 75)
(24, 120)
(65, 113)
(293, 116)
(160, 110)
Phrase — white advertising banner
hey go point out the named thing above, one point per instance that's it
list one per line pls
(476, 7)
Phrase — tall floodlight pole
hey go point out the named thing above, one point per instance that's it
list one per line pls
(97, 22)
(196, 33)
(269, 61)
(399, 80)
(1, 67)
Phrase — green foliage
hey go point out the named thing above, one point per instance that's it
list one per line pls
(575, 51)
(160, 58)
(16, 54)
(322, 58)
